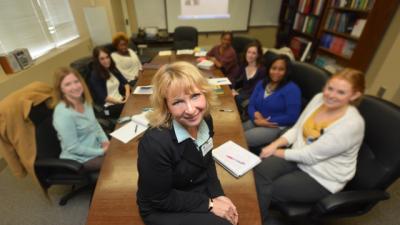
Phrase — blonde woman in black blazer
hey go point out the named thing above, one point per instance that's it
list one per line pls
(178, 183)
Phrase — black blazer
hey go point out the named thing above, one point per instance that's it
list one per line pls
(174, 177)
(98, 85)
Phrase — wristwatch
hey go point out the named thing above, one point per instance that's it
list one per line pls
(210, 205)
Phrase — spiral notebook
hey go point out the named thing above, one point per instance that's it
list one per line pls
(235, 159)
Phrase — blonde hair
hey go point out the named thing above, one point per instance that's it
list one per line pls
(176, 76)
(58, 95)
(355, 78)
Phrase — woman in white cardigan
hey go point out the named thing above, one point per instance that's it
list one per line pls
(325, 143)
(126, 60)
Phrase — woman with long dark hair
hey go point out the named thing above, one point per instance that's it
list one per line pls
(110, 89)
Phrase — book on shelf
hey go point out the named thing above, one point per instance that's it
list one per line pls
(327, 63)
(298, 46)
(358, 27)
(353, 4)
(235, 159)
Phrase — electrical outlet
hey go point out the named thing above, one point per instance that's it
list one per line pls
(381, 92)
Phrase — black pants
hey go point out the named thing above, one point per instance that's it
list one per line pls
(278, 180)
(184, 219)
(93, 164)
(113, 111)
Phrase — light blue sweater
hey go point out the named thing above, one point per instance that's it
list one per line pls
(79, 133)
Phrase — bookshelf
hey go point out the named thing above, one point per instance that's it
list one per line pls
(344, 33)
(351, 31)
(299, 25)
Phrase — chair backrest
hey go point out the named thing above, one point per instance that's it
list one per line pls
(47, 143)
(239, 43)
(311, 80)
(185, 38)
(378, 163)
(82, 66)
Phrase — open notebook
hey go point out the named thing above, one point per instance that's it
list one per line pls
(137, 125)
(235, 159)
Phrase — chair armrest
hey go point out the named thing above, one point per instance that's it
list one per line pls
(349, 198)
(59, 164)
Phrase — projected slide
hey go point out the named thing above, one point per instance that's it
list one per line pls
(204, 9)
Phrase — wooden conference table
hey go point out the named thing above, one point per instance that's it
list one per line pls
(114, 199)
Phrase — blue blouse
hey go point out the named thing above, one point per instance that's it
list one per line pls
(79, 133)
(283, 106)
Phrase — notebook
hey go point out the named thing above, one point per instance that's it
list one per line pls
(137, 125)
(235, 159)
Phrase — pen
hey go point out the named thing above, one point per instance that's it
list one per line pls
(225, 110)
(236, 160)
(135, 128)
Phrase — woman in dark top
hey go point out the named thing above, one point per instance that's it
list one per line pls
(110, 89)
(178, 183)
(250, 72)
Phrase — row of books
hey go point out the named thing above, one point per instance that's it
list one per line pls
(327, 63)
(305, 24)
(298, 45)
(348, 23)
(338, 45)
(354, 4)
(311, 6)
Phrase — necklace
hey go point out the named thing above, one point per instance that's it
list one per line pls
(268, 90)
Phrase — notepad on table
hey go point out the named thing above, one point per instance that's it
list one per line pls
(219, 81)
(165, 53)
(143, 90)
(235, 159)
(135, 127)
(185, 52)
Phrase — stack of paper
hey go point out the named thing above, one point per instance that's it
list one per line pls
(143, 90)
(184, 52)
(235, 159)
(205, 64)
(136, 126)
(165, 53)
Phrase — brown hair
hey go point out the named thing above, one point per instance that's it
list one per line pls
(118, 37)
(176, 76)
(59, 76)
(227, 33)
(355, 78)
(257, 45)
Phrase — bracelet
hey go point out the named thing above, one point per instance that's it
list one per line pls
(210, 205)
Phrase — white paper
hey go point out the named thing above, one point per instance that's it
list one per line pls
(235, 159)
(205, 64)
(184, 52)
(164, 53)
(127, 132)
(200, 54)
(143, 90)
(219, 81)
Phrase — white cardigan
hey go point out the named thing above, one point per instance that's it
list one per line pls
(331, 159)
(128, 65)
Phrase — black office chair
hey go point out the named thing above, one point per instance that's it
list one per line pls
(378, 166)
(49, 168)
(185, 38)
(311, 80)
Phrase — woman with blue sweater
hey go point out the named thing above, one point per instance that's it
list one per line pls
(80, 135)
(274, 104)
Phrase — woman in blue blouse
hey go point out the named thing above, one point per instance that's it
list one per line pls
(274, 104)
(81, 136)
